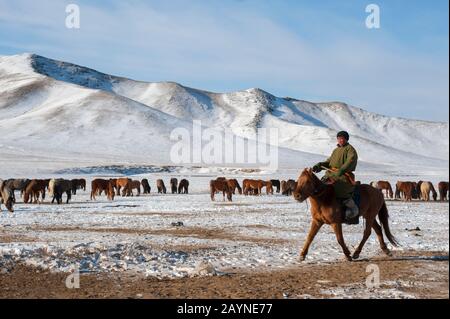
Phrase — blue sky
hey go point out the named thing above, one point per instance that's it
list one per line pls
(311, 50)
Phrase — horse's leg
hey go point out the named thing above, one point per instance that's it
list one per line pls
(366, 235)
(377, 228)
(337, 227)
(315, 226)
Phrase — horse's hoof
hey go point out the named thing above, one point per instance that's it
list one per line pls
(301, 258)
(349, 258)
(387, 252)
(355, 256)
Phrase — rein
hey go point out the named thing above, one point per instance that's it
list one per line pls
(318, 191)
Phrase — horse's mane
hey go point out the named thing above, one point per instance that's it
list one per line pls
(327, 194)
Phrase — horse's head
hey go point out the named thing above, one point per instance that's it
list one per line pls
(7, 196)
(306, 185)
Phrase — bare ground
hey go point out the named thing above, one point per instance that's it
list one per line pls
(406, 274)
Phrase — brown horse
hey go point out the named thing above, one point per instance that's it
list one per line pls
(34, 189)
(326, 209)
(183, 187)
(386, 186)
(443, 190)
(220, 186)
(405, 190)
(288, 187)
(160, 186)
(252, 186)
(98, 185)
(135, 185)
(145, 186)
(126, 184)
(6, 196)
(17, 185)
(174, 185)
(269, 187)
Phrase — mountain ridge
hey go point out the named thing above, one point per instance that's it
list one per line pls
(31, 82)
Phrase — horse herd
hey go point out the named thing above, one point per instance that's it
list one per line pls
(34, 190)
(250, 187)
(125, 186)
(408, 191)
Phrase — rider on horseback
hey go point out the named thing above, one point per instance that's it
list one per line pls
(339, 166)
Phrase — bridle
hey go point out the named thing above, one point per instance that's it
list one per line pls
(321, 187)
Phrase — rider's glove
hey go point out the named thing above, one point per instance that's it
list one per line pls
(317, 168)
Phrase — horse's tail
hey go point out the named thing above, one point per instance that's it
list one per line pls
(391, 193)
(383, 215)
(51, 187)
(238, 187)
(433, 190)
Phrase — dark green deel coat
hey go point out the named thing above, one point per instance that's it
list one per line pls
(344, 158)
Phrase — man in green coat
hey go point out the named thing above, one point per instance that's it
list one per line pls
(343, 160)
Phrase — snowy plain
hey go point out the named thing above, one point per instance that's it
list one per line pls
(140, 234)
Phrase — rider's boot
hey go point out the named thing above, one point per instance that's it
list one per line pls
(351, 212)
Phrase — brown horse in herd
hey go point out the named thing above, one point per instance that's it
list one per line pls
(220, 186)
(183, 187)
(174, 185)
(288, 187)
(234, 184)
(99, 185)
(405, 190)
(384, 185)
(161, 186)
(135, 185)
(443, 188)
(35, 189)
(254, 186)
(6, 196)
(326, 209)
(124, 183)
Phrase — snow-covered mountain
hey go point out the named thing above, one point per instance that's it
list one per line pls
(58, 112)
